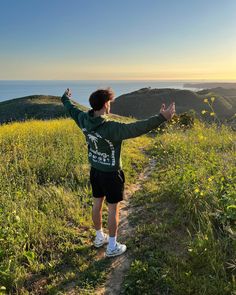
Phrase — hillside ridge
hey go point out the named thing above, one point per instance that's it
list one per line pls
(33, 107)
(140, 104)
(146, 102)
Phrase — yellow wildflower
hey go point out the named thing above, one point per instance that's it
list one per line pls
(206, 100)
(196, 190)
(212, 114)
(204, 111)
(212, 99)
(17, 218)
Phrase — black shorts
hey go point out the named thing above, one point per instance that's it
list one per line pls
(108, 184)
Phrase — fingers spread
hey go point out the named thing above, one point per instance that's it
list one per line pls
(171, 106)
(163, 107)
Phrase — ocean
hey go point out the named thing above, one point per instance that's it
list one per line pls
(81, 89)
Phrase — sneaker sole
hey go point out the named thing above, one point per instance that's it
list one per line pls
(114, 255)
(100, 245)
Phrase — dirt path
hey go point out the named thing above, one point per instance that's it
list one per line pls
(121, 263)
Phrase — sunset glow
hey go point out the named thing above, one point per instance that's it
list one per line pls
(144, 40)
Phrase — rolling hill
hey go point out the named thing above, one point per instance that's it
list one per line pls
(140, 104)
(32, 107)
(146, 101)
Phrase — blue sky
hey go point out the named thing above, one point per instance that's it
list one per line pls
(85, 39)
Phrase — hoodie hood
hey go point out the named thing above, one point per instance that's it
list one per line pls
(92, 123)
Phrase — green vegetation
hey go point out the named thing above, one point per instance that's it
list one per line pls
(33, 107)
(146, 102)
(185, 216)
(45, 207)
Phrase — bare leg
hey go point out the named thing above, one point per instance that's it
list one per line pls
(97, 213)
(113, 219)
(114, 248)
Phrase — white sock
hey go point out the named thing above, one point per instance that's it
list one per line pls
(112, 243)
(100, 234)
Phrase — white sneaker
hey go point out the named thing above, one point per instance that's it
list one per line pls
(119, 249)
(99, 242)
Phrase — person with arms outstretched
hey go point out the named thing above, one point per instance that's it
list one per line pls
(104, 138)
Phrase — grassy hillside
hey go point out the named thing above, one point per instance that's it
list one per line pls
(32, 107)
(185, 217)
(139, 104)
(146, 102)
(45, 206)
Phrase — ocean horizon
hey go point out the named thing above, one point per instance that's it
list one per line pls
(81, 89)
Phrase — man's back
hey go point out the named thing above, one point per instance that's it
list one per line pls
(104, 137)
(104, 140)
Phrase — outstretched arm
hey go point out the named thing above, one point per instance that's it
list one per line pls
(121, 131)
(69, 105)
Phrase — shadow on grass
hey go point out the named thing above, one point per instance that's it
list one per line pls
(83, 268)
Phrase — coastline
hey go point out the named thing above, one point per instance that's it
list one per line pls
(10, 89)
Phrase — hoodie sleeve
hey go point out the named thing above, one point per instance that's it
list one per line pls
(73, 110)
(121, 131)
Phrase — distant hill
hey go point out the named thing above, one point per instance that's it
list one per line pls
(32, 107)
(146, 101)
(39, 107)
(140, 104)
(211, 85)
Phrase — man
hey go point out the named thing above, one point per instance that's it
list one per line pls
(104, 138)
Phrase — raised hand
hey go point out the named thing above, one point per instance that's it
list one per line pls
(68, 92)
(169, 112)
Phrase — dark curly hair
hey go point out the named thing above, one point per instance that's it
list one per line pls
(98, 98)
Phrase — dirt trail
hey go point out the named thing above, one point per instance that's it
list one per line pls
(121, 263)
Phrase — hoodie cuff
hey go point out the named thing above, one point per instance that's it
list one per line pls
(65, 99)
(162, 117)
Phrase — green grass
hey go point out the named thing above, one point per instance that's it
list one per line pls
(33, 107)
(45, 208)
(185, 216)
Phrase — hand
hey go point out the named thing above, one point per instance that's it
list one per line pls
(68, 92)
(169, 112)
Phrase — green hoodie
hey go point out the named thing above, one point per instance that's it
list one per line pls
(104, 137)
